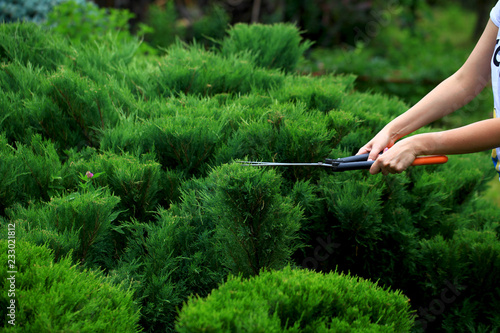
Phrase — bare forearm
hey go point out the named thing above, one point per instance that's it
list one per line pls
(472, 138)
(450, 95)
(453, 93)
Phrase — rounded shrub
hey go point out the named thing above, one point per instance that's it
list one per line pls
(80, 223)
(60, 297)
(273, 46)
(294, 300)
(256, 226)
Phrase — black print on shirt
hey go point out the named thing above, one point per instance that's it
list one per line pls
(495, 55)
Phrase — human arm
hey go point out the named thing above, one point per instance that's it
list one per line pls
(472, 138)
(451, 94)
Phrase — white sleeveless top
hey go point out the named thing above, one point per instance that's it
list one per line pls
(495, 74)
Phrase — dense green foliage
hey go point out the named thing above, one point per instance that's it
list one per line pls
(124, 163)
(60, 296)
(297, 301)
(278, 47)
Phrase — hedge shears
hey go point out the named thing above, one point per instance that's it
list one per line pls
(357, 162)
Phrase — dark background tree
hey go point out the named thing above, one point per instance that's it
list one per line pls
(324, 21)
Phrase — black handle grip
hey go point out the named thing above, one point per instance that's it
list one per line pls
(362, 165)
(350, 159)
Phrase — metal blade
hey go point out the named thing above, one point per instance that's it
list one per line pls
(254, 163)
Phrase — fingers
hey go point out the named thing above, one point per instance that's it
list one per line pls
(391, 164)
(363, 150)
(374, 152)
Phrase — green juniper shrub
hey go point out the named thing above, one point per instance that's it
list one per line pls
(468, 264)
(190, 69)
(183, 141)
(286, 133)
(361, 225)
(170, 187)
(390, 214)
(85, 219)
(86, 22)
(29, 43)
(83, 22)
(436, 192)
(127, 136)
(20, 86)
(277, 46)
(479, 215)
(32, 171)
(472, 180)
(355, 224)
(294, 300)
(373, 111)
(163, 139)
(342, 123)
(146, 126)
(306, 195)
(256, 226)
(170, 260)
(11, 171)
(86, 106)
(60, 296)
(317, 93)
(135, 180)
(22, 79)
(107, 60)
(186, 250)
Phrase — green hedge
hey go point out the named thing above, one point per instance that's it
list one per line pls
(169, 212)
(79, 222)
(277, 47)
(297, 301)
(49, 296)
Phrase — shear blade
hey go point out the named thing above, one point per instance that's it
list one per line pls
(255, 163)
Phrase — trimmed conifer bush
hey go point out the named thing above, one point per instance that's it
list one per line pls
(190, 69)
(288, 133)
(78, 223)
(324, 93)
(272, 46)
(297, 301)
(136, 181)
(468, 266)
(31, 172)
(60, 296)
(231, 221)
(29, 43)
(169, 260)
(256, 227)
(183, 142)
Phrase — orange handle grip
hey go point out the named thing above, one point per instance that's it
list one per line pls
(426, 160)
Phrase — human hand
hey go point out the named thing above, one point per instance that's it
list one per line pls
(395, 160)
(376, 145)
